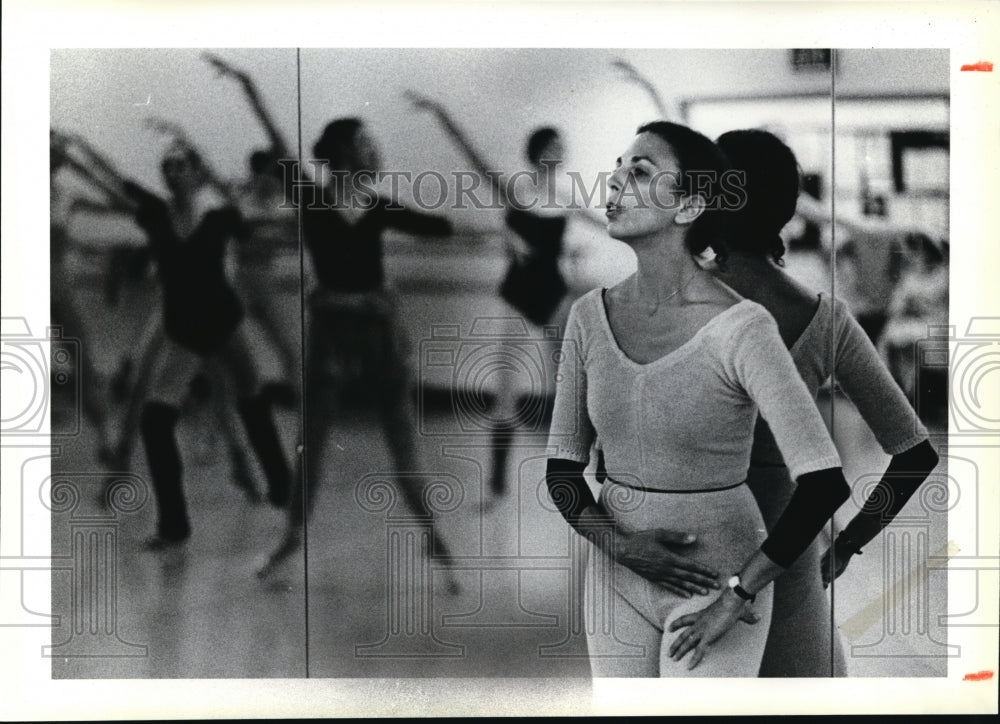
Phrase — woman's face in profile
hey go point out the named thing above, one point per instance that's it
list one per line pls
(644, 189)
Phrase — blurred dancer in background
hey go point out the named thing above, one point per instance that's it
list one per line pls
(353, 326)
(64, 310)
(537, 212)
(211, 395)
(270, 229)
(188, 236)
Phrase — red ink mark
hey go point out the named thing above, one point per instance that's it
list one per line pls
(983, 65)
(979, 676)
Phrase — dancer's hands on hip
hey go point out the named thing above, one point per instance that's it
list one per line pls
(651, 554)
(707, 626)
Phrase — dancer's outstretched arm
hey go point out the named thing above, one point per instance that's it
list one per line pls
(668, 110)
(93, 167)
(423, 103)
(278, 145)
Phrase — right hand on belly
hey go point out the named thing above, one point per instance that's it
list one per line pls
(650, 554)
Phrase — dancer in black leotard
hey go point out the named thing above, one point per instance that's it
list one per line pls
(267, 228)
(148, 348)
(201, 319)
(534, 286)
(352, 325)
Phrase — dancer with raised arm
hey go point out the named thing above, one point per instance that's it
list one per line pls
(270, 229)
(665, 108)
(188, 236)
(136, 373)
(352, 319)
(537, 212)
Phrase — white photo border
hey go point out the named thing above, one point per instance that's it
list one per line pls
(30, 29)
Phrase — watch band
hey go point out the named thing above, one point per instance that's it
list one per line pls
(735, 584)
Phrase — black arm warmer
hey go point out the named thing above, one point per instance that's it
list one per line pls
(816, 498)
(906, 472)
(602, 469)
(568, 489)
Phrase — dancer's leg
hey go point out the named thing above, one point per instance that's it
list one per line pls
(399, 420)
(175, 368)
(272, 322)
(223, 402)
(320, 411)
(145, 334)
(611, 617)
(257, 418)
(148, 354)
(273, 348)
(504, 417)
(93, 384)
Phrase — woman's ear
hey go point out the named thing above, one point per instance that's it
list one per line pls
(691, 208)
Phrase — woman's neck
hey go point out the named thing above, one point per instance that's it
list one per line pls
(757, 277)
(665, 268)
(747, 272)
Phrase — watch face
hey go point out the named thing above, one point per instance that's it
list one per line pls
(733, 582)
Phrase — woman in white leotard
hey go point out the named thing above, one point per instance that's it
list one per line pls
(669, 369)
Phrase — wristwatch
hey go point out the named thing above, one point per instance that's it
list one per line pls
(734, 585)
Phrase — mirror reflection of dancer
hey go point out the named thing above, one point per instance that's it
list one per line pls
(818, 332)
(213, 381)
(673, 368)
(537, 212)
(188, 236)
(270, 227)
(64, 312)
(353, 322)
